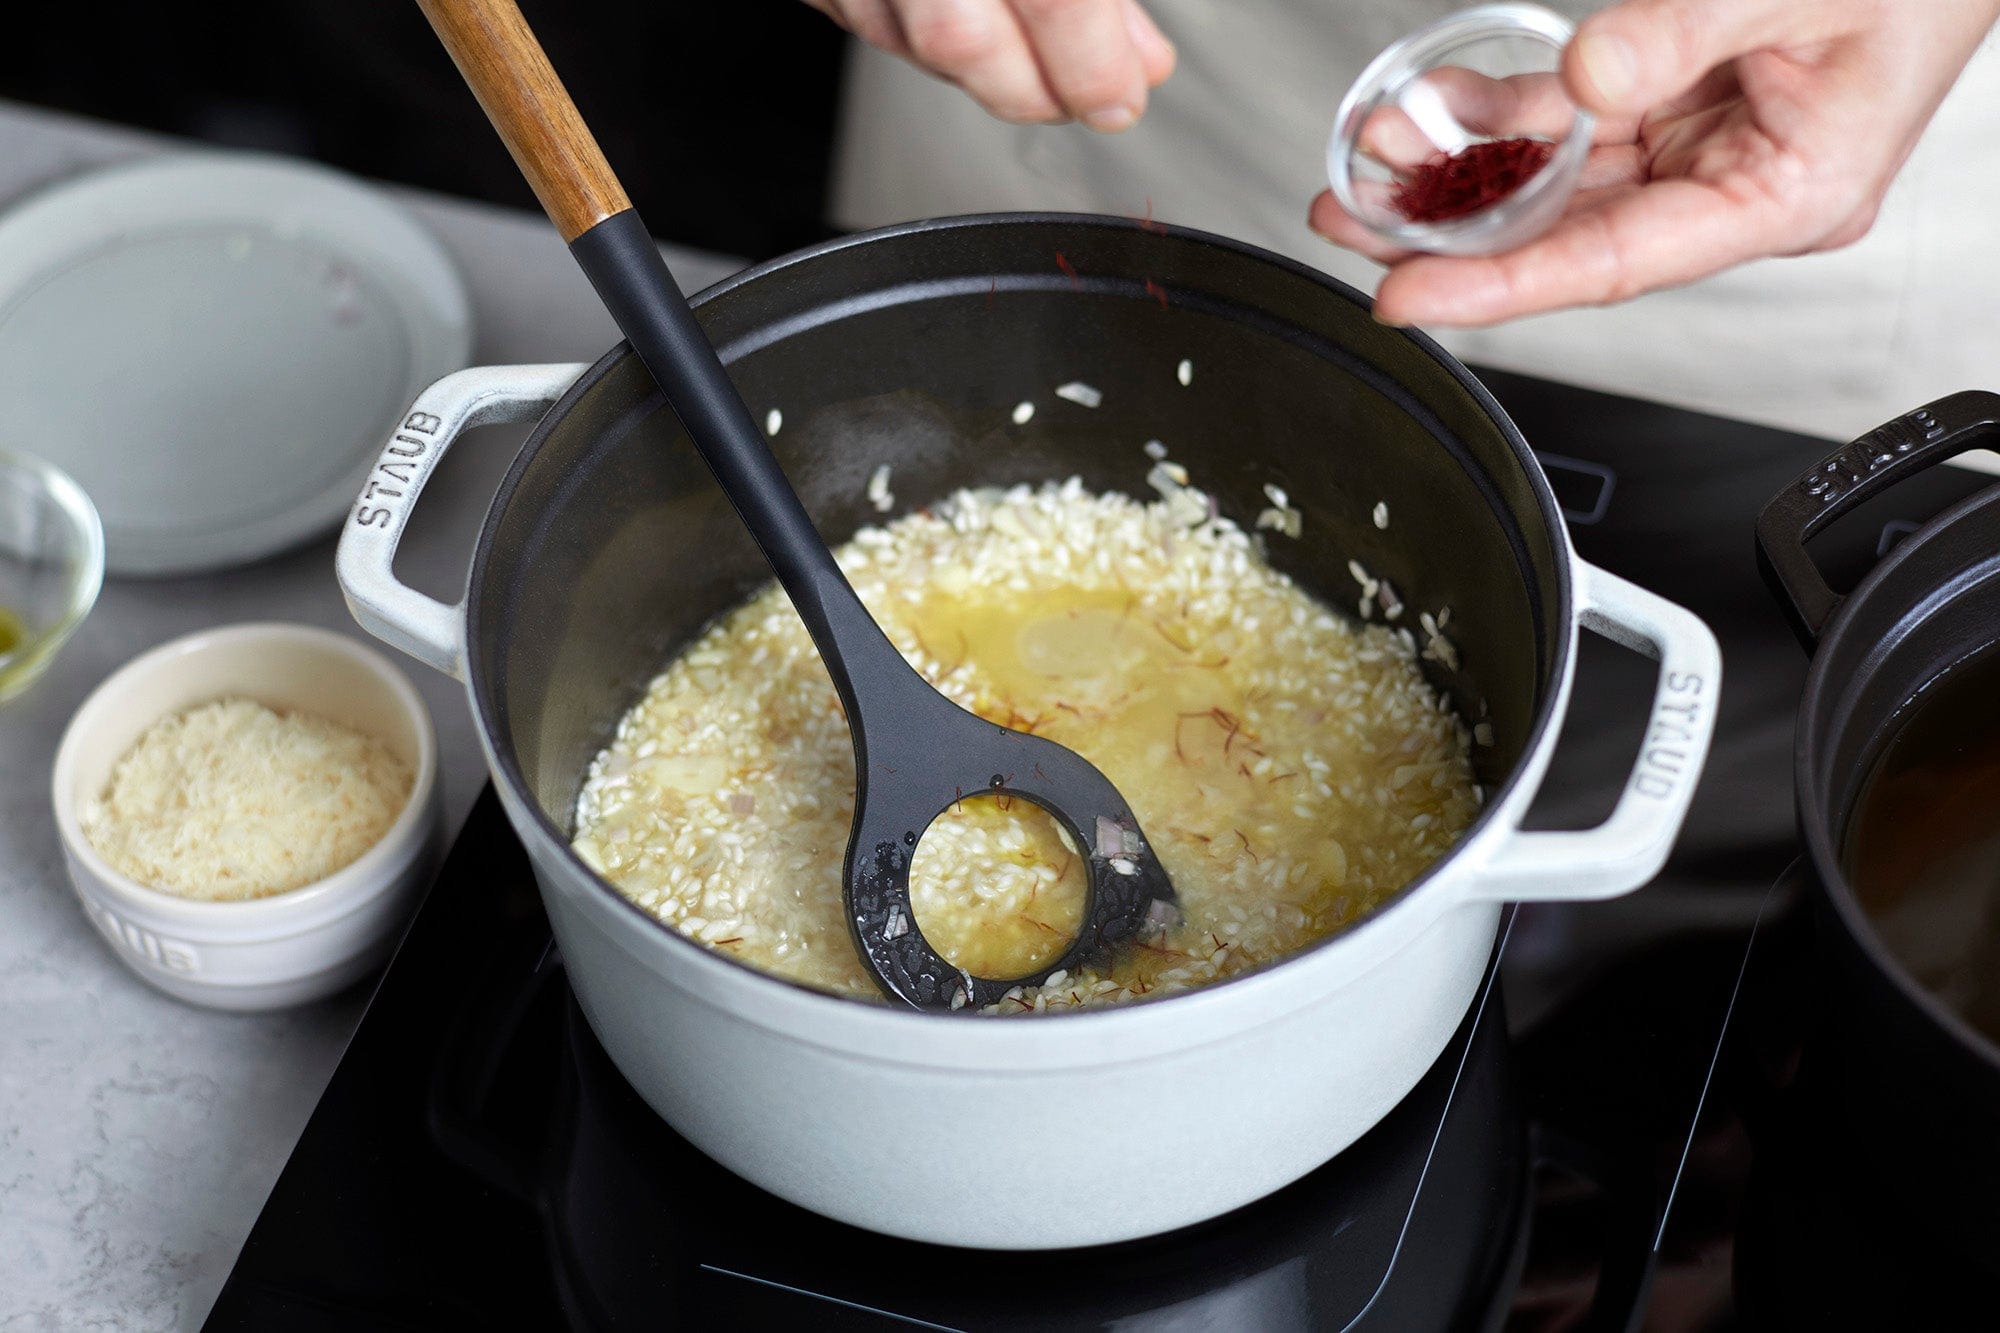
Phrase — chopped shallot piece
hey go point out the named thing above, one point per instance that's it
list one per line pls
(1286, 521)
(1281, 517)
(1187, 506)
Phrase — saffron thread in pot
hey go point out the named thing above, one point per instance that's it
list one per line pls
(1449, 187)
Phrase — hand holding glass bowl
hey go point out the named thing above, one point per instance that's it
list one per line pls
(1725, 131)
(51, 566)
(1460, 139)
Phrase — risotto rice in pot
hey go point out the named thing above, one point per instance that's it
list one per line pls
(1292, 767)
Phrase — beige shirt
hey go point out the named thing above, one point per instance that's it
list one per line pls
(1235, 143)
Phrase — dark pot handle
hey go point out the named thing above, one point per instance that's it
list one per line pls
(1891, 453)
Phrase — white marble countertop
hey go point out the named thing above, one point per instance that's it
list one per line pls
(138, 1135)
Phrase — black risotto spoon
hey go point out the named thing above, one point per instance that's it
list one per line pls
(916, 753)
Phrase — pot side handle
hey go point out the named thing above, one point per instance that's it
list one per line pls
(1629, 847)
(1891, 453)
(400, 616)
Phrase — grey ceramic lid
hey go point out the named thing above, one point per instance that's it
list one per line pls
(216, 345)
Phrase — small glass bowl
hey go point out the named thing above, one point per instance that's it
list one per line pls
(1484, 73)
(51, 565)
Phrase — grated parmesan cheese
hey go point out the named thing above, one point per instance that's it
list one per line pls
(232, 800)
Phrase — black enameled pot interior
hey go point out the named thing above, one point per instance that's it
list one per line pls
(609, 547)
(1917, 1085)
(1934, 603)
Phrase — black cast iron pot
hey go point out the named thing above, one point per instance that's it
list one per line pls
(1919, 1086)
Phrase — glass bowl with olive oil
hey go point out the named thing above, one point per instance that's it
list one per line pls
(51, 565)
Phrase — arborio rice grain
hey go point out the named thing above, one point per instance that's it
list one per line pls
(1292, 768)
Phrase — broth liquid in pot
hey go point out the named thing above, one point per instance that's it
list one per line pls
(1923, 841)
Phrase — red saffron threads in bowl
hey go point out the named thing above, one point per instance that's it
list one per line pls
(1469, 180)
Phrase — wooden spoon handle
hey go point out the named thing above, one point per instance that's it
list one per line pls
(504, 65)
(490, 42)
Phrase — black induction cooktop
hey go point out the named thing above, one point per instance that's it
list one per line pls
(1577, 1158)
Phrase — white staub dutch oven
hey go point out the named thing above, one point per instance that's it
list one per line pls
(608, 547)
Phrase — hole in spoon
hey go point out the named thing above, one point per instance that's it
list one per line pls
(997, 885)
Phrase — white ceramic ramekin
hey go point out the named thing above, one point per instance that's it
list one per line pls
(264, 953)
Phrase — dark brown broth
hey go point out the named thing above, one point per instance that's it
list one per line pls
(1923, 841)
